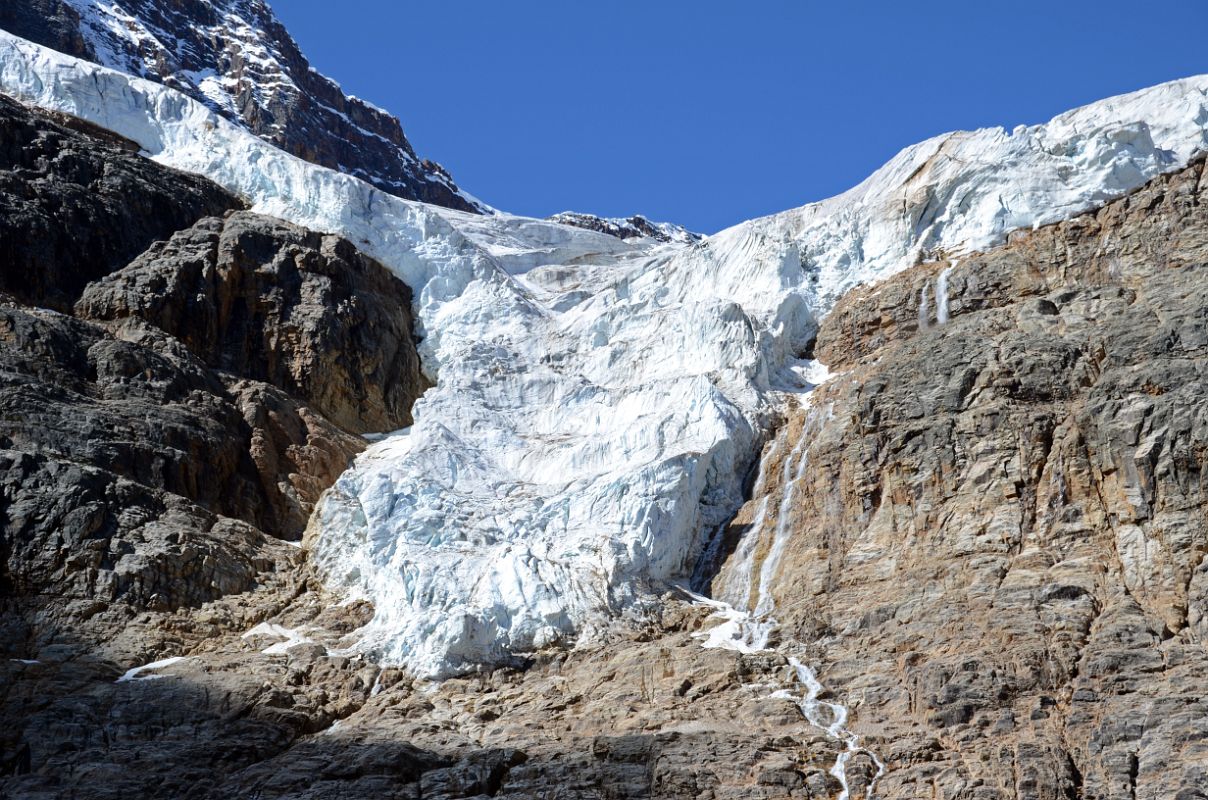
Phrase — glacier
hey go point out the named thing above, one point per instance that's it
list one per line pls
(598, 403)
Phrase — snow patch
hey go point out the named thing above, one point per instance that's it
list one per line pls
(136, 673)
(289, 637)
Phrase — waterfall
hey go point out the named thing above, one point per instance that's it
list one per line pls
(737, 585)
(747, 631)
(771, 562)
(941, 294)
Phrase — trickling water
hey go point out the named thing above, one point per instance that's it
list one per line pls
(737, 587)
(743, 632)
(771, 561)
(923, 312)
(941, 294)
(750, 632)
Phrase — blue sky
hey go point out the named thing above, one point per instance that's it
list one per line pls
(707, 113)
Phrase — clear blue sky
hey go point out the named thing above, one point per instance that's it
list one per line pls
(707, 112)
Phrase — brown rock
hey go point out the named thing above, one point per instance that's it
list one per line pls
(1003, 519)
(269, 301)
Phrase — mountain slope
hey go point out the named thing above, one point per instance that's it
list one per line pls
(966, 562)
(237, 59)
(597, 402)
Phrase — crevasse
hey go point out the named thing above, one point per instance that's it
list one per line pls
(597, 401)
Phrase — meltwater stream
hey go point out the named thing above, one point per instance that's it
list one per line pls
(750, 631)
(747, 632)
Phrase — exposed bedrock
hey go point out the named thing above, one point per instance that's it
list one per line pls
(77, 204)
(998, 542)
(146, 480)
(269, 301)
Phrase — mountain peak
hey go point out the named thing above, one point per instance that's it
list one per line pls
(237, 58)
(634, 227)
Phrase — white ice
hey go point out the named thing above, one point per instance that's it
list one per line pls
(289, 637)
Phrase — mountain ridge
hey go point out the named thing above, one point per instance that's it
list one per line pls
(236, 58)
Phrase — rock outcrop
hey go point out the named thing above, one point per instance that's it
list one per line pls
(269, 301)
(234, 56)
(635, 227)
(997, 543)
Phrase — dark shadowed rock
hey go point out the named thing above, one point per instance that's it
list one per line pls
(75, 206)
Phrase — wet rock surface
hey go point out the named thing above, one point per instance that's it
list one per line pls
(998, 542)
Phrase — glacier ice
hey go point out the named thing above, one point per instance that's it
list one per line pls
(597, 401)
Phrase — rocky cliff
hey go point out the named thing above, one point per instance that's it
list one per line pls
(76, 206)
(153, 456)
(995, 546)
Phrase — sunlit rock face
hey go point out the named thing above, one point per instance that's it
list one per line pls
(598, 403)
(994, 529)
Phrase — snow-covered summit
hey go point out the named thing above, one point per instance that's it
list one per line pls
(598, 401)
(237, 59)
(634, 227)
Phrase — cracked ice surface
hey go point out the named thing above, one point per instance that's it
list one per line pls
(598, 401)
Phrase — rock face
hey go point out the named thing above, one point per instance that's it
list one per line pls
(273, 302)
(234, 56)
(277, 712)
(78, 204)
(997, 542)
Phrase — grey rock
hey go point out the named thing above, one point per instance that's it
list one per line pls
(269, 301)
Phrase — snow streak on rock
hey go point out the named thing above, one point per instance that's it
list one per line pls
(599, 400)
